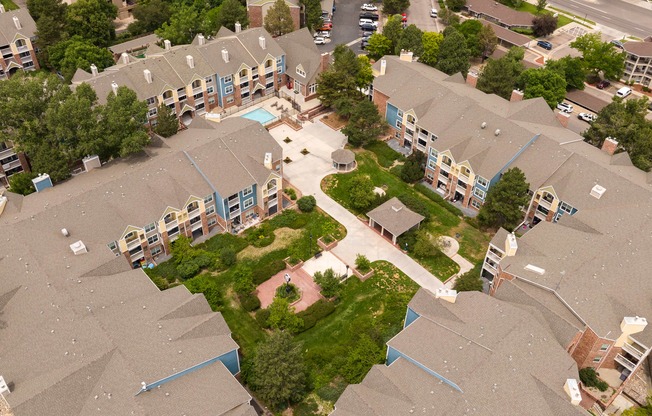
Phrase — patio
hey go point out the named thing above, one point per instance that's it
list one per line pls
(300, 278)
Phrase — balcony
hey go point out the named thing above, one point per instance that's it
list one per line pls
(443, 178)
(171, 224)
(464, 178)
(22, 49)
(11, 165)
(493, 256)
(169, 101)
(133, 243)
(625, 362)
(492, 265)
(7, 153)
(137, 255)
(633, 351)
(545, 204)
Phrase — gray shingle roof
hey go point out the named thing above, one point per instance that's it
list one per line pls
(395, 217)
(300, 49)
(639, 48)
(501, 12)
(8, 29)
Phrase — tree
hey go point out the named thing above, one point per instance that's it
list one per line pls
(50, 18)
(281, 316)
(499, 76)
(471, 29)
(232, 12)
(393, 30)
(329, 282)
(488, 40)
(149, 15)
(422, 246)
(431, 42)
(470, 281)
(542, 82)
(449, 17)
(455, 5)
(365, 75)
(167, 123)
(365, 124)
(279, 373)
(92, 20)
(278, 20)
(411, 40)
(640, 411)
(182, 27)
(312, 13)
(307, 203)
(453, 54)
(391, 7)
(598, 56)
(544, 24)
(571, 69)
(413, 168)
(541, 5)
(21, 183)
(361, 358)
(78, 53)
(361, 191)
(339, 86)
(53, 160)
(244, 281)
(505, 201)
(625, 121)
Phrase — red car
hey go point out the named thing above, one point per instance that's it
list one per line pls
(403, 17)
(603, 84)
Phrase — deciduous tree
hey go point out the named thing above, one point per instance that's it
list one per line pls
(278, 20)
(499, 76)
(455, 5)
(361, 357)
(471, 29)
(365, 124)
(449, 17)
(78, 53)
(542, 82)
(182, 26)
(541, 5)
(470, 281)
(149, 15)
(488, 40)
(505, 201)
(544, 24)
(431, 42)
(282, 317)
(21, 183)
(361, 191)
(393, 30)
(453, 54)
(391, 7)
(571, 69)
(598, 56)
(51, 19)
(232, 12)
(379, 45)
(92, 20)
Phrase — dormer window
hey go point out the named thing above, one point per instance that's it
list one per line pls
(301, 72)
(167, 94)
(243, 73)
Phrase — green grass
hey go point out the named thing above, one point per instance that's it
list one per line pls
(385, 155)
(9, 5)
(531, 8)
(439, 265)
(578, 19)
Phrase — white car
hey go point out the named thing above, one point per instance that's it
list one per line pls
(565, 107)
(323, 34)
(369, 7)
(320, 40)
(588, 117)
(433, 13)
(367, 22)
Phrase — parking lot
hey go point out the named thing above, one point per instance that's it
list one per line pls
(345, 26)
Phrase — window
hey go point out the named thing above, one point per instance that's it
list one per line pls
(397, 135)
(243, 73)
(482, 181)
(434, 153)
(399, 114)
(268, 63)
(210, 90)
(229, 100)
(479, 193)
(196, 84)
(432, 164)
(208, 199)
(228, 79)
(20, 42)
(312, 88)
(151, 100)
(156, 250)
(199, 106)
(198, 95)
(113, 246)
(153, 239)
(211, 100)
(597, 359)
(475, 204)
(152, 112)
(208, 80)
(270, 83)
(410, 119)
(433, 137)
(210, 210)
(228, 90)
(399, 124)
(150, 227)
(248, 203)
(247, 191)
(409, 133)
(421, 142)
(212, 222)
(279, 61)
(566, 208)
(604, 347)
(301, 72)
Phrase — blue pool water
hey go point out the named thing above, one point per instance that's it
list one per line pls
(260, 115)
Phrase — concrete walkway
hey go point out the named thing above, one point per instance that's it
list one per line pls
(450, 249)
(306, 173)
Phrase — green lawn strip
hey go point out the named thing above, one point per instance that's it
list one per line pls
(9, 5)
(386, 155)
(440, 265)
(473, 243)
(579, 19)
(531, 8)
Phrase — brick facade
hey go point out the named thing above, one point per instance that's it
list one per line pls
(257, 13)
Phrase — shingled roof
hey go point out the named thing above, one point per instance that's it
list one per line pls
(395, 217)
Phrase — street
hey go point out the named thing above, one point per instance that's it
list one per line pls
(419, 14)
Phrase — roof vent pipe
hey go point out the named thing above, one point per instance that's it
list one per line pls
(17, 23)
(94, 70)
(168, 44)
(497, 132)
(483, 125)
(125, 58)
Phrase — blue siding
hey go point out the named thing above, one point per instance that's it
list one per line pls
(282, 65)
(230, 361)
(410, 317)
(243, 198)
(393, 355)
(222, 86)
(391, 115)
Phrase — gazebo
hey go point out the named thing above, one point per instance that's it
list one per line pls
(343, 160)
(393, 218)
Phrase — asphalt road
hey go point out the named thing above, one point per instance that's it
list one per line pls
(618, 14)
(419, 14)
(345, 25)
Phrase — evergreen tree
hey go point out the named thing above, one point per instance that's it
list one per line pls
(453, 54)
(278, 20)
(500, 76)
(488, 40)
(505, 202)
(167, 123)
(365, 124)
(411, 40)
(470, 281)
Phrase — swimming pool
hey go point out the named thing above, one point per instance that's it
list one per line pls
(260, 115)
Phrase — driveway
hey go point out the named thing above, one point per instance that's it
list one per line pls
(419, 14)
(306, 174)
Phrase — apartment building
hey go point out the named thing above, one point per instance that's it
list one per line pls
(11, 162)
(209, 75)
(17, 36)
(638, 63)
(83, 333)
(468, 353)
(257, 11)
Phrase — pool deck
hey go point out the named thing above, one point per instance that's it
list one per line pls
(261, 115)
(267, 106)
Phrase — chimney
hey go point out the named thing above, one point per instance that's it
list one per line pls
(148, 75)
(4, 388)
(114, 87)
(383, 67)
(42, 182)
(563, 118)
(17, 23)
(325, 61)
(516, 96)
(190, 61)
(2, 8)
(609, 146)
(472, 79)
(573, 390)
(168, 44)
(268, 161)
(201, 39)
(238, 27)
(510, 245)
(261, 41)
(94, 71)
(125, 58)
(630, 325)
(449, 295)
(225, 55)
(406, 56)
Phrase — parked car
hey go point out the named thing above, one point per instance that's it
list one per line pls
(544, 44)
(364, 44)
(325, 28)
(603, 84)
(588, 117)
(368, 28)
(323, 34)
(320, 40)
(369, 7)
(433, 12)
(366, 34)
(369, 15)
(623, 92)
(617, 44)
(565, 107)
(367, 22)
(403, 17)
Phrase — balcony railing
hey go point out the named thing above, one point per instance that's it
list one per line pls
(630, 349)
(171, 224)
(7, 153)
(443, 178)
(544, 203)
(11, 165)
(493, 256)
(625, 362)
(133, 243)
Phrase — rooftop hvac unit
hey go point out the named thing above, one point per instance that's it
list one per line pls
(78, 248)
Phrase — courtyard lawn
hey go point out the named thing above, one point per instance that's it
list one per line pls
(385, 155)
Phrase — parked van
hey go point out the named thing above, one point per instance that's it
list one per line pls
(624, 92)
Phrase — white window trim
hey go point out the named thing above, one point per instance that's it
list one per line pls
(399, 124)
(561, 207)
(208, 198)
(248, 203)
(148, 229)
(433, 152)
(228, 90)
(475, 204)
(432, 164)
(210, 90)
(210, 210)
(247, 191)
(153, 239)
(228, 79)
(399, 113)
(479, 193)
(301, 72)
(480, 179)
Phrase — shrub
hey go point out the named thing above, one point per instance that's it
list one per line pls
(291, 193)
(228, 256)
(329, 282)
(261, 236)
(362, 263)
(21, 183)
(423, 247)
(281, 316)
(289, 292)
(262, 315)
(307, 407)
(249, 302)
(263, 272)
(332, 391)
(415, 204)
(413, 168)
(360, 359)
(407, 240)
(318, 310)
(470, 281)
(361, 192)
(243, 280)
(590, 379)
(289, 218)
(307, 203)
(436, 198)
(188, 269)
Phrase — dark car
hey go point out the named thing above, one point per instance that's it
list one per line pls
(369, 15)
(368, 28)
(364, 44)
(545, 44)
(603, 84)
(366, 34)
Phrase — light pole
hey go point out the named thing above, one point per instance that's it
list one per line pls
(287, 283)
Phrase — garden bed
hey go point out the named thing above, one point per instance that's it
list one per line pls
(327, 242)
(293, 265)
(363, 276)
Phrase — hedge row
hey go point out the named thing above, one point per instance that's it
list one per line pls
(436, 198)
(318, 310)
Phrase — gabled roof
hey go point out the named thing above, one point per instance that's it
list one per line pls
(300, 49)
(500, 12)
(641, 49)
(395, 217)
(8, 29)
